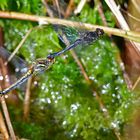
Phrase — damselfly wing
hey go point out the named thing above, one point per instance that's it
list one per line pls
(84, 38)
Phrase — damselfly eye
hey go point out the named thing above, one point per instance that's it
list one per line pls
(99, 31)
(50, 57)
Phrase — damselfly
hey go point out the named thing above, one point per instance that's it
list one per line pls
(87, 38)
(41, 65)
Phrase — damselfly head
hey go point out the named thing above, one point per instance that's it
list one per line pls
(99, 31)
(50, 57)
(50, 60)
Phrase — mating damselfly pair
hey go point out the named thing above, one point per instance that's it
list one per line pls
(41, 65)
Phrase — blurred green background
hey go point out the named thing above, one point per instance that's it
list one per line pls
(63, 105)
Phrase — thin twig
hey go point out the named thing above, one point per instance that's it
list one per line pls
(136, 83)
(88, 81)
(56, 3)
(114, 8)
(58, 8)
(69, 9)
(130, 15)
(49, 11)
(5, 110)
(100, 10)
(18, 47)
(26, 107)
(135, 36)
(7, 118)
(125, 75)
(80, 7)
(3, 128)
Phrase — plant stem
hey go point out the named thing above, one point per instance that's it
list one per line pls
(135, 36)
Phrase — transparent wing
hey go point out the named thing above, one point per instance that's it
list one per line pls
(70, 33)
(86, 39)
(19, 65)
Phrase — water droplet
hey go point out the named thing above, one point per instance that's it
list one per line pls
(7, 78)
(104, 110)
(114, 125)
(46, 90)
(56, 101)
(42, 100)
(23, 70)
(59, 97)
(32, 54)
(65, 56)
(75, 130)
(71, 135)
(50, 51)
(64, 122)
(6, 96)
(112, 100)
(35, 83)
(96, 67)
(43, 86)
(87, 58)
(66, 79)
(52, 92)
(91, 77)
(126, 106)
(89, 108)
(106, 86)
(1, 77)
(48, 100)
(65, 86)
(120, 111)
(74, 107)
(71, 113)
(94, 94)
(50, 85)
(118, 96)
(103, 91)
(16, 69)
(53, 97)
(113, 95)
